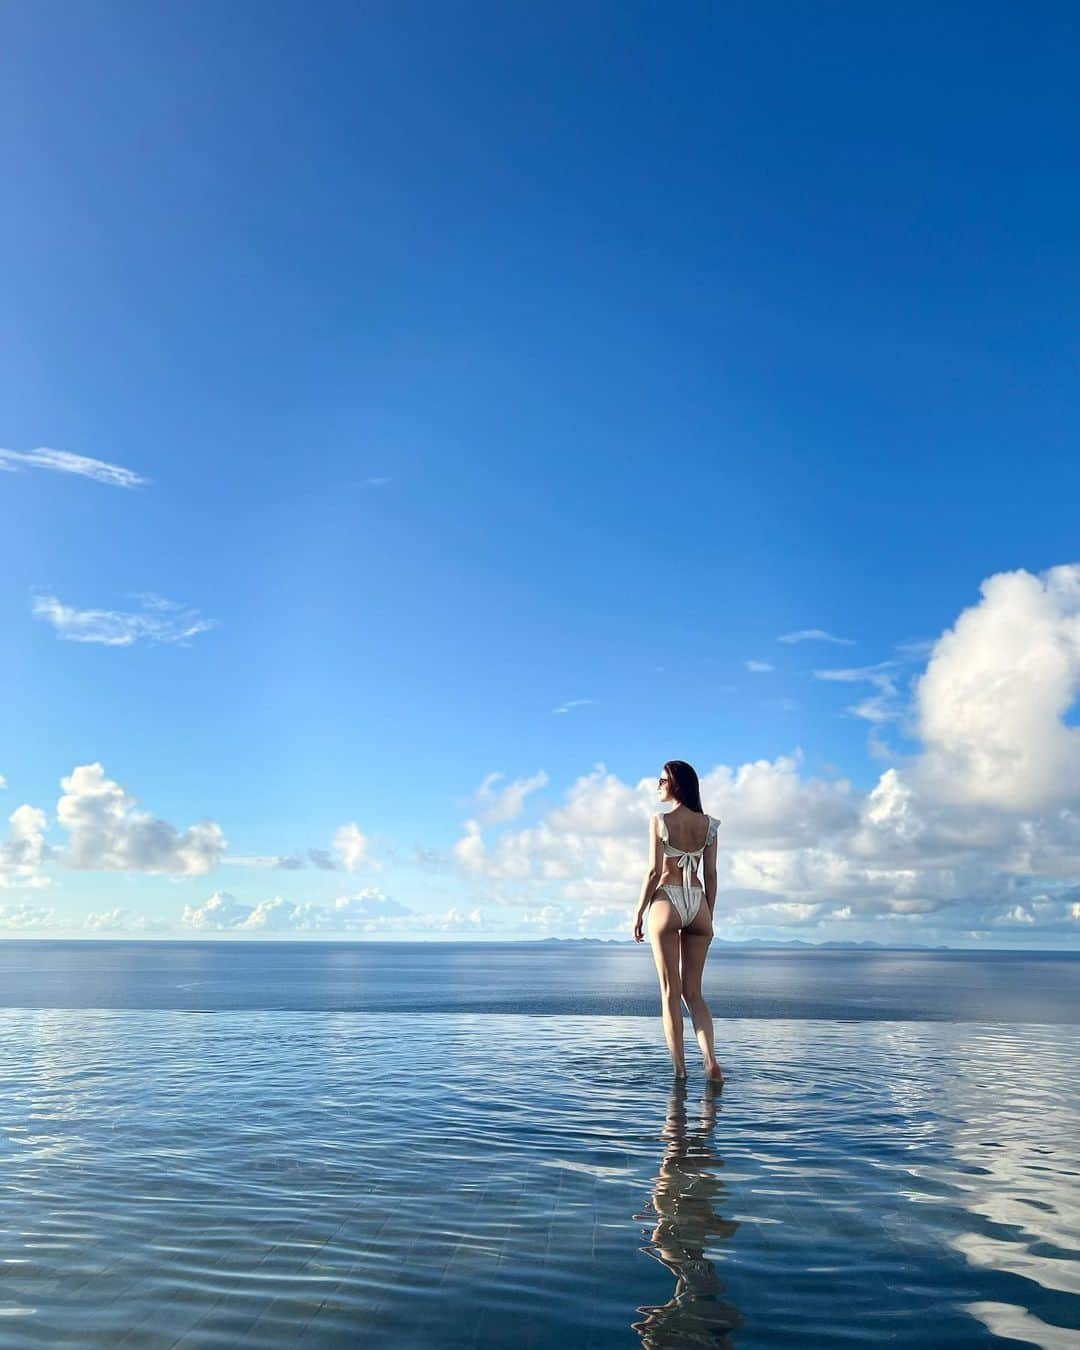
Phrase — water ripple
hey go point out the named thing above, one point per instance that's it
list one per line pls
(268, 1178)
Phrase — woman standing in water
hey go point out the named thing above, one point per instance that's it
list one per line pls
(679, 911)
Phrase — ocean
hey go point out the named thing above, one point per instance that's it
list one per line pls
(426, 1145)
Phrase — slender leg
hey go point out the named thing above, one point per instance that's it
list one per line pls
(664, 940)
(695, 947)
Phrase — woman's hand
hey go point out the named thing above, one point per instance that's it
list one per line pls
(639, 925)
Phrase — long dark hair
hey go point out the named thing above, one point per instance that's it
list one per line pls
(684, 784)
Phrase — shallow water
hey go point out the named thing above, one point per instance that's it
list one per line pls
(325, 1179)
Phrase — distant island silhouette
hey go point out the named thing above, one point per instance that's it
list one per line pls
(763, 942)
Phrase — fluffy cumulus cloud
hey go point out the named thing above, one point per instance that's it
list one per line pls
(120, 920)
(351, 848)
(770, 803)
(997, 688)
(367, 911)
(24, 916)
(24, 850)
(978, 831)
(494, 806)
(106, 833)
(221, 911)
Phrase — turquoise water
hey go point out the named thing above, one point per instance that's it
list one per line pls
(275, 1178)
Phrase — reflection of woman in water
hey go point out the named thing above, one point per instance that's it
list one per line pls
(680, 912)
(683, 1198)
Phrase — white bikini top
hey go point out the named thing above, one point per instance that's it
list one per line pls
(688, 858)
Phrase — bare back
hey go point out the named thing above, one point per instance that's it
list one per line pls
(686, 831)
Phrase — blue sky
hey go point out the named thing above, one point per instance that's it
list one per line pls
(482, 388)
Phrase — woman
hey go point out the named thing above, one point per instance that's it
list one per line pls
(680, 913)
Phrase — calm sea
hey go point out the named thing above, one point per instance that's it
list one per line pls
(296, 1144)
(523, 977)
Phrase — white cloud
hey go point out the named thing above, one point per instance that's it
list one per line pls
(351, 847)
(980, 826)
(267, 860)
(320, 858)
(368, 904)
(815, 635)
(879, 707)
(768, 803)
(994, 695)
(977, 828)
(459, 920)
(22, 915)
(469, 849)
(496, 807)
(24, 851)
(368, 912)
(119, 920)
(777, 914)
(600, 803)
(64, 461)
(574, 703)
(220, 912)
(107, 834)
(759, 667)
(166, 621)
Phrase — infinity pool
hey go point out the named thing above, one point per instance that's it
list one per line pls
(339, 1179)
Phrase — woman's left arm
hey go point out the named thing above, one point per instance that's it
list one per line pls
(708, 859)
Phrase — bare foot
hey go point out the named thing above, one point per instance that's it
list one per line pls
(714, 1072)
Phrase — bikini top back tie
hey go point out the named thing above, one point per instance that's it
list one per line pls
(688, 859)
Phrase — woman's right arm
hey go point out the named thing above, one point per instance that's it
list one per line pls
(652, 880)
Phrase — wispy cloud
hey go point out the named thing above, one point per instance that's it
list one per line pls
(267, 860)
(63, 461)
(916, 647)
(759, 667)
(376, 482)
(815, 635)
(497, 805)
(165, 621)
(573, 703)
(879, 707)
(350, 845)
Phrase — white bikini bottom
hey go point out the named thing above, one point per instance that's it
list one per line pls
(686, 905)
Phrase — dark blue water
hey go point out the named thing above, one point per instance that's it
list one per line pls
(606, 980)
